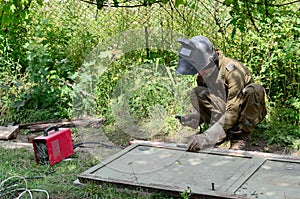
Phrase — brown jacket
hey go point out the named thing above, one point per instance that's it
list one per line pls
(235, 77)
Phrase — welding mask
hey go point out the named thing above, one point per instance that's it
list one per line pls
(195, 55)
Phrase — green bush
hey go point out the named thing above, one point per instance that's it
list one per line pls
(45, 46)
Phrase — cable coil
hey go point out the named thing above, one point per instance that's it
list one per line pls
(25, 190)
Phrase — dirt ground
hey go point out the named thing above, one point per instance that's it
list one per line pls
(101, 146)
(97, 142)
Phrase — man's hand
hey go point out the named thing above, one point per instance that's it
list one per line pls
(197, 143)
(209, 138)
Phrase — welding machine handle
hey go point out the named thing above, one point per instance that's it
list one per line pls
(55, 128)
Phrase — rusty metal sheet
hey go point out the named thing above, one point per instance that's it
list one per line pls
(208, 173)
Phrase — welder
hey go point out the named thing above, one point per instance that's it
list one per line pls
(226, 96)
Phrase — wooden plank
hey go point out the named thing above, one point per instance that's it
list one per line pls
(15, 145)
(79, 123)
(8, 132)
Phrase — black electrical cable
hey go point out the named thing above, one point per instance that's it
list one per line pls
(2, 191)
(81, 144)
(15, 182)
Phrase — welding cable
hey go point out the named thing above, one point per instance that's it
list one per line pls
(12, 184)
(81, 144)
(9, 188)
(25, 190)
(30, 192)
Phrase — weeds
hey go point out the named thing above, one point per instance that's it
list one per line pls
(57, 180)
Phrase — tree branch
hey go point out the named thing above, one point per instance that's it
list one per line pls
(121, 6)
(266, 7)
(275, 5)
(163, 7)
(250, 15)
(89, 2)
(172, 4)
(215, 18)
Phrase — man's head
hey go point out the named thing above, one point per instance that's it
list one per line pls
(196, 55)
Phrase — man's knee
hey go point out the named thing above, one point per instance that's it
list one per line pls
(255, 89)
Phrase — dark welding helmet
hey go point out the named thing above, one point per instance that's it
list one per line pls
(196, 54)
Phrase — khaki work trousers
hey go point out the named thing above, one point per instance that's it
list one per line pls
(249, 108)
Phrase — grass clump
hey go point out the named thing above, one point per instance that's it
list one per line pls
(18, 170)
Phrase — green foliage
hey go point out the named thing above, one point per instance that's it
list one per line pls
(282, 126)
(14, 12)
(44, 46)
(180, 2)
(269, 38)
(187, 193)
(146, 92)
(40, 89)
(13, 82)
(39, 65)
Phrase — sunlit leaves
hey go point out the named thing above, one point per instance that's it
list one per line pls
(14, 12)
(180, 2)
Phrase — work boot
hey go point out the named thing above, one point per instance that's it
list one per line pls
(239, 140)
(239, 145)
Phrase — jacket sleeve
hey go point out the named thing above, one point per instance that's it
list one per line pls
(235, 81)
(200, 81)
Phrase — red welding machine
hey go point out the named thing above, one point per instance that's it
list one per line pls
(54, 146)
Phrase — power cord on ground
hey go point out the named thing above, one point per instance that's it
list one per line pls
(96, 144)
(12, 187)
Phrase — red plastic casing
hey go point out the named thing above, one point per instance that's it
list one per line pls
(54, 147)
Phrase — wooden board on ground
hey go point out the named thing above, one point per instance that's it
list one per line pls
(8, 132)
(78, 123)
(210, 173)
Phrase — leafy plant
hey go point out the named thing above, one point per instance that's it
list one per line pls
(187, 193)
(45, 46)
